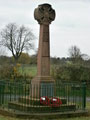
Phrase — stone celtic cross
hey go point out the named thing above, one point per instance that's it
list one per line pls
(44, 14)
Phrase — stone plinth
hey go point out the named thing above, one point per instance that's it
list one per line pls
(44, 14)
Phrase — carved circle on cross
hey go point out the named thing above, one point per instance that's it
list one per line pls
(44, 14)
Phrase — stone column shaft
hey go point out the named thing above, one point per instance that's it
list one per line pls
(43, 60)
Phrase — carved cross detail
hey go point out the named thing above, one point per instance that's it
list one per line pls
(44, 14)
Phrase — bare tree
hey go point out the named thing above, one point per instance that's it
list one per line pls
(75, 53)
(85, 57)
(17, 39)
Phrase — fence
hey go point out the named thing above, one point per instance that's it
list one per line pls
(18, 97)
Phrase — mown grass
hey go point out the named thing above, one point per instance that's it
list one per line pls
(73, 118)
(76, 118)
(88, 105)
(7, 118)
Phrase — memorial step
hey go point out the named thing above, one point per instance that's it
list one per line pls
(34, 101)
(40, 108)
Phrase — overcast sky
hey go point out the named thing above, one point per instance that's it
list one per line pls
(71, 26)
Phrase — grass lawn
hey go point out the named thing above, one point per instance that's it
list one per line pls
(7, 118)
(75, 118)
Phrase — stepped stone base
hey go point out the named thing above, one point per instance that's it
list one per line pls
(33, 105)
(54, 115)
(39, 79)
(40, 84)
(39, 108)
(29, 108)
(32, 101)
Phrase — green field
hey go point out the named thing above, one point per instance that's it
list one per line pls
(28, 70)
